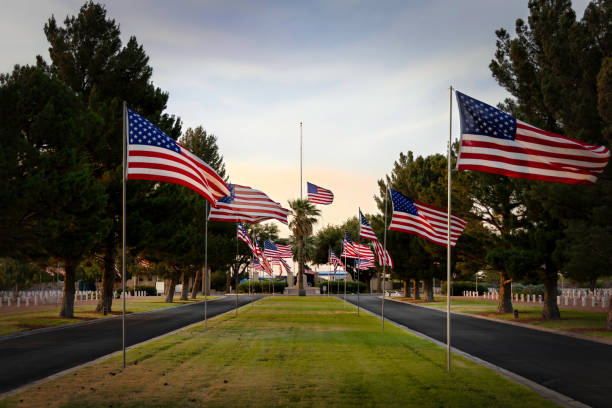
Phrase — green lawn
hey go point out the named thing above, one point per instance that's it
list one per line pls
(24, 320)
(577, 321)
(284, 351)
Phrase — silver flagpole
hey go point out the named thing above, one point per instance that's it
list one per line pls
(124, 169)
(358, 260)
(205, 274)
(448, 242)
(382, 304)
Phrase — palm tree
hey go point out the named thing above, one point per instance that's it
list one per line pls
(304, 216)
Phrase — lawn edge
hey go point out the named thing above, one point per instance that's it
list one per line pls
(601, 340)
(546, 393)
(114, 353)
(77, 324)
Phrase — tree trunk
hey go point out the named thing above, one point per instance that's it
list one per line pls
(301, 291)
(417, 295)
(67, 309)
(171, 287)
(504, 304)
(609, 321)
(428, 289)
(105, 303)
(185, 284)
(406, 289)
(550, 311)
(196, 283)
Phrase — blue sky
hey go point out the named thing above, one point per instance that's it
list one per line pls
(367, 78)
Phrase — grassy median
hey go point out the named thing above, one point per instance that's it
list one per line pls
(283, 351)
(48, 316)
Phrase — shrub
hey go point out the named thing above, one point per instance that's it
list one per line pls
(150, 290)
(263, 286)
(338, 287)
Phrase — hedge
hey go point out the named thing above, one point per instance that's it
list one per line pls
(150, 290)
(262, 287)
(337, 287)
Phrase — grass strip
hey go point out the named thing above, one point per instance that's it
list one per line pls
(284, 351)
(24, 320)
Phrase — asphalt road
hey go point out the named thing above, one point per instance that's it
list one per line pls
(36, 355)
(577, 368)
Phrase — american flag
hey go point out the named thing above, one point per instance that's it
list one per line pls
(116, 268)
(364, 264)
(153, 155)
(258, 266)
(334, 260)
(493, 141)
(259, 251)
(383, 255)
(365, 230)
(247, 205)
(284, 251)
(242, 235)
(270, 249)
(423, 220)
(319, 195)
(144, 263)
(348, 250)
(282, 263)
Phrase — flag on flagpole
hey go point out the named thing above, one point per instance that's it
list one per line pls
(365, 230)
(424, 220)
(348, 249)
(285, 251)
(242, 235)
(334, 260)
(493, 141)
(383, 255)
(259, 251)
(153, 155)
(144, 263)
(246, 204)
(319, 195)
(364, 264)
(270, 250)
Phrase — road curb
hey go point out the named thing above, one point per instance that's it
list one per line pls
(114, 353)
(547, 393)
(78, 324)
(525, 325)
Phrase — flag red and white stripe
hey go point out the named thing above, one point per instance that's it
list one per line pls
(242, 235)
(319, 195)
(383, 255)
(365, 230)
(424, 220)
(153, 155)
(246, 204)
(493, 141)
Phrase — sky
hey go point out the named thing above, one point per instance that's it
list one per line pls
(368, 79)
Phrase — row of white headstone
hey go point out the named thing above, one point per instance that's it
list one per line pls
(598, 299)
(50, 297)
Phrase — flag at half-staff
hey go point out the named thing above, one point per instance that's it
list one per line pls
(364, 264)
(153, 155)
(424, 220)
(246, 204)
(493, 141)
(319, 195)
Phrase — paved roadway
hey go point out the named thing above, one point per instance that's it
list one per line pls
(580, 369)
(32, 356)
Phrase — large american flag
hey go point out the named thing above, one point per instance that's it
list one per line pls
(284, 251)
(423, 220)
(365, 230)
(383, 255)
(493, 141)
(153, 155)
(319, 195)
(242, 235)
(270, 250)
(246, 204)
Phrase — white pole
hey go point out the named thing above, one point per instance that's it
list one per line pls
(205, 274)
(124, 223)
(448, 242)
(382, 303)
